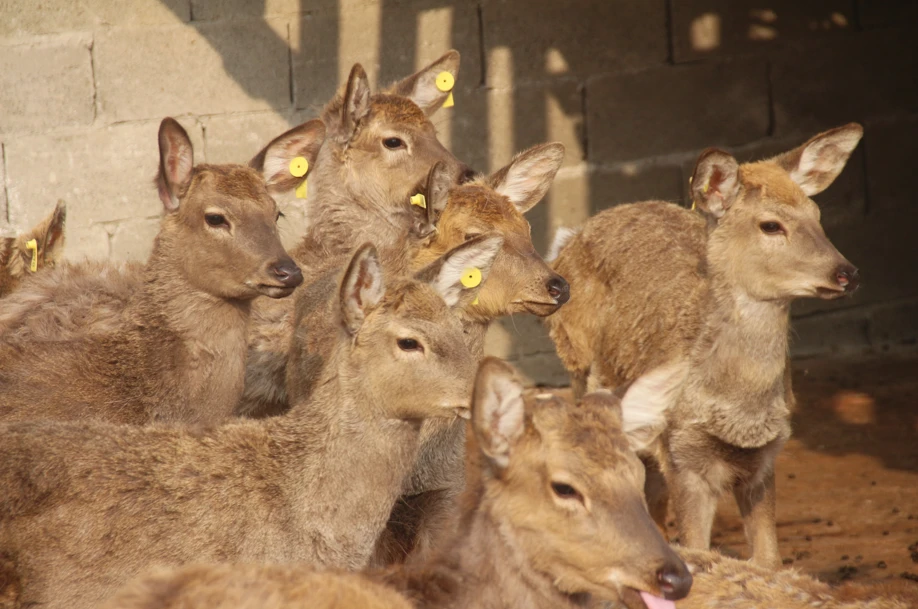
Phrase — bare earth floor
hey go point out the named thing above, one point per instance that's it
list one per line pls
(848, 479)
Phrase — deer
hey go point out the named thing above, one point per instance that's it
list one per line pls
(520, 282)
(176, 353)
(25, 254)
(553, 516)
(692, 307)
(86, 506)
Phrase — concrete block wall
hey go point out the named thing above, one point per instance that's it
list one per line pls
(634, 89)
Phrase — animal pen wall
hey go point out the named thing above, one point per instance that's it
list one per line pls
(633, 88)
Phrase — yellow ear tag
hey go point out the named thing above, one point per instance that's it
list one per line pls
(471, 277)
(694, 205)
(299, 166)
(420, 200)
(446, 82)
(475, 301)
(32, 246)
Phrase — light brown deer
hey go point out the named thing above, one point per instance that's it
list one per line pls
(693, 308)
(520, 281)
(32, 251)
(84, 507)
(553, 517)
(177, 351)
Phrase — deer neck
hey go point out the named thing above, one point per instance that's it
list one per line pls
(736, 373)
(351, 462)
(341, 215)
(202, 329)
(474, 331)
(495, 572)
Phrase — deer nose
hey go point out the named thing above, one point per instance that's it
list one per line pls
(467, 175)
(287, 272)
(559, 289)
(675, 581)
(847, 277)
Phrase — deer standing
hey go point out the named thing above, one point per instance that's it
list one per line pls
(693, 308)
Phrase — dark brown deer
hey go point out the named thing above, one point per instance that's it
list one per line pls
(694, 309)
(176, 351)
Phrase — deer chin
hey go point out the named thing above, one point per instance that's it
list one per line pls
(831, 293)
(274, 291)
(537, 308)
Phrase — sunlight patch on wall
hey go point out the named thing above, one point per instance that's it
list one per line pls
(705, 32)
(435, 37)
(500, 115)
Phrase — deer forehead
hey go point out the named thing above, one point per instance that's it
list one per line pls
(237, 186)
(773, 183)
(592, 436)
(396, 110)
(417, 302)
(476, 202)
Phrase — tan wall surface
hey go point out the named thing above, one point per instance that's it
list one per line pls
(633, 88)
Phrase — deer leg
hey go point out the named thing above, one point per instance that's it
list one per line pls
(579, 383)
(694, 502)
(757, 506)
(656, 492)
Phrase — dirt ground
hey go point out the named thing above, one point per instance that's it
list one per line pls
(848, 479)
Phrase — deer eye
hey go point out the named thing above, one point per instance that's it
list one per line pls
(771, 228)
(393, 143)
(566, 491)
(280, 215)
(216, 220)
(409, 344)
(470, 236)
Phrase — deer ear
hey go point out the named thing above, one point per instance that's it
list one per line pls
(176, 163)
(715, 182)
(529, 175)
(498, 411)
(816, 164)
(421, 87)
(460, 273)
(274, 160)
(439, 181)
(362, 287)
(645, 401)
(356, 104)
(50, 235)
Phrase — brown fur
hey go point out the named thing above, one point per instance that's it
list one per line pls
(521, 544)
(84, 507)
(725, 582)
(519, 282)
(176, 351)
(693, 309)
(16, 258)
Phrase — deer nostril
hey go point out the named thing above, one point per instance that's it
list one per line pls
(675, 581)
(288, 273)
(847, 277)
(559, 289)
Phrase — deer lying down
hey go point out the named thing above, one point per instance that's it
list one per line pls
(725, 582)
(553, 517)
(520, 281)
(177, 350)
(84, 507)
(32, 251)
(693, 308)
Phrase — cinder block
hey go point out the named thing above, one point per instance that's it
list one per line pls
(104, 176)
(860, 77)
(46, 83)
(236, 138)
(133, 239)
(839, 332)
(676, 109)
(633, 182)
(548, 40)
(390, 42)
(3, 208)
(213, 10)
(894, 325)
(228, 66)
(892, 147)
(880, 13)
(706, 28)
(24, 18)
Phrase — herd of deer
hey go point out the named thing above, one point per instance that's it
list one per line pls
(170, 439)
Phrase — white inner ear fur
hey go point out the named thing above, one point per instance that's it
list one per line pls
(645, 404)
(425, 93)
(822, 161)
(361, 293)
(527, 179)
(448, 283)
(563, 236)
(502, 418)
(277, 163)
